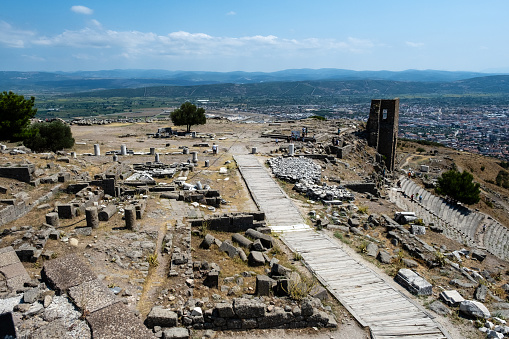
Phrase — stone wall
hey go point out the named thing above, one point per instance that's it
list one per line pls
(382, 128)
(245, 314)
(22, 173)
(235, 222)
(361, 187)
(19, 209)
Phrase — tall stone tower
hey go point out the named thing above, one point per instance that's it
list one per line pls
(382, 129)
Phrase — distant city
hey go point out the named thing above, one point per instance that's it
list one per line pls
(481, 129)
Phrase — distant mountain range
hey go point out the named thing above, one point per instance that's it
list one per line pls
(30, 83)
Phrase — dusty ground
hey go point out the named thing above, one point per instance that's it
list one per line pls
(148, 284)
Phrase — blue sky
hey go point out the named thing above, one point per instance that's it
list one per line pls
(215, 35)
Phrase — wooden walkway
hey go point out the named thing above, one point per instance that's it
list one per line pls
(281, 214)
(370, 299)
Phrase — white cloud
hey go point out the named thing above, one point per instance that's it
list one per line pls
(134, 45)
(414, 44)
(231, 13)
(13, 37)
(82, 10)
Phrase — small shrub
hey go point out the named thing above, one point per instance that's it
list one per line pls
(341, 237)
(297, 256)
(275, 250)
(363, 209)
(363, 247)
(440, 258)
(301, 289)
(152, 260)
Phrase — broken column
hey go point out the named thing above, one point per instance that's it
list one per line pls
(156, 157)
(130, 218)
(52, 219)
(92, 217)
(123, 150)
(107, 212)
(195, 157)
(152, 151)
(185, 150)
(253, 150)
(73, 155)
(115, 157)
(291, 150)
(207, 163)
(97, 150)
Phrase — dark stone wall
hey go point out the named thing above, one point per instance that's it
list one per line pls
(21, 173)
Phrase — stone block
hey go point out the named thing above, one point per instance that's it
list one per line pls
(255, 258)
(264, 285)
(248, 308)
(62, 273)
(212, 279)
(176, 333)
(91, 295)
(413, 282)
(275, 318)
(224, 310)
(66, 211)
(117, 322)
(160, 316)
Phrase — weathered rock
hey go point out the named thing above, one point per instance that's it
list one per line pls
(479, 255)
(384, 257)
(207, 241)
(256, 258)
(257, 246)
(212, 279)
(242, 240)
(160, 316)
(410, 263)
(227, 247)
(176, 333)
(439, 308)
(474, 309)
(372, 250)
(480, 293)
(462, 283)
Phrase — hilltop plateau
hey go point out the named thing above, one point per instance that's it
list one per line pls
(170, 254)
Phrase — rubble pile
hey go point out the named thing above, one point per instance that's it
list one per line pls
(295, 169)
(323, 192)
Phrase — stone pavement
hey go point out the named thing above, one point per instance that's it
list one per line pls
(373, 301)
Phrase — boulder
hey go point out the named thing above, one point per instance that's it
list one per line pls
(384, 257)
(207, 241)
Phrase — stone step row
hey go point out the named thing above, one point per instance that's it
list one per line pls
(460, 223)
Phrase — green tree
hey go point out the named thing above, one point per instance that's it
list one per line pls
(188, 115)
(15, 115)
(49, 136)
(459, 186)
